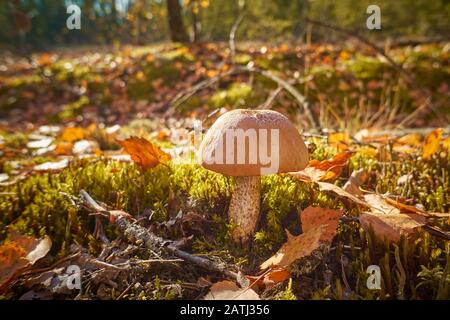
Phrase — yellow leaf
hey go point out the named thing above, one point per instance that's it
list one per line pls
(412, 139)
(73, 134)
(431, 143)
(341, 141)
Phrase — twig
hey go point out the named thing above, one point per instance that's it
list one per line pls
(301, 100)
(369, 43)
(124, 292)
(408, 77)
(270, 98)
(233, 35)
(184, 95)
(141, 236)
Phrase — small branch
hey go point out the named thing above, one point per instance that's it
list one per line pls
(301, 100)
(270, 98)
(141, 236)
(372, 45)
(233, 35)
(184, 95)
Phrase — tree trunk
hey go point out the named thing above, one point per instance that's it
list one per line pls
(177, 31)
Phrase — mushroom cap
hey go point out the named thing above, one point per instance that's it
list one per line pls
(277, 149)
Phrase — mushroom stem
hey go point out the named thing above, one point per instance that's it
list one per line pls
(244, 207)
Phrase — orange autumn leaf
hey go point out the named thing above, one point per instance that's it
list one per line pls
(324, 170)
(404, 208)
(312, 217)
(63, 148)
(18, 254)
(446, 144)
(431, 143)
(73, 134)
(11, 260)
(143, 152)
(271, 277)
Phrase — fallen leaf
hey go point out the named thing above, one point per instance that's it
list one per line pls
(340, 141)
(391, 226)
(42, 143)
(73, 134)
(85, 147)
(446, 144)
(431, 143)
(4, 177)
(18, 254)
(325, 186)
(379, 205)
(323, 170)
(357, 178)
(295, 248)
(52, 166)
(312, 217)
(143, 152)
(412, 139)
(271, 277)
(228, 290)
(63, 148)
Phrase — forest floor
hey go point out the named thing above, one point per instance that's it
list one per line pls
(376, 190)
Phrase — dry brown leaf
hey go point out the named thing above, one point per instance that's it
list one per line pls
(295, 248)
(271, 277)
(228, 290)
(391, 226)
(325, 186)
(379, 205)
(312, 217)
(18, 254)
(143, 152)
(357, 178)
(431, 143)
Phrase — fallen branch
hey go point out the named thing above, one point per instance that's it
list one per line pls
(301, 100)
(141, 236)
(372, 45)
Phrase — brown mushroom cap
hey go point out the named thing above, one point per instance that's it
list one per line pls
(293, 154)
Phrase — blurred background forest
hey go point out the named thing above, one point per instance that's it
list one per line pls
(41, 24)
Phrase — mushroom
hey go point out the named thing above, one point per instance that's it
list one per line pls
(247, 144)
